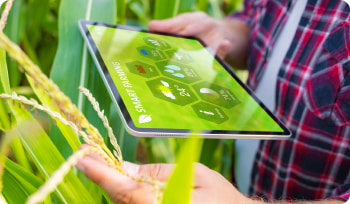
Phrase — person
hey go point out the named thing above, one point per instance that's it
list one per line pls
(306, 68)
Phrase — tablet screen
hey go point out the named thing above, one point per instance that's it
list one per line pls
(172, 84)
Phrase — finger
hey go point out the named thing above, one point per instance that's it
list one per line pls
(200, 25)
(224, 49)
(94, 155)
(118, 186)
(171, 25)
(178, 23)
(100, 173)
(159, 171)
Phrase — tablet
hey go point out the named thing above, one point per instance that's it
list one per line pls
(167, 85)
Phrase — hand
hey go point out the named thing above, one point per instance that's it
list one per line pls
(226, 37)
(209, 186)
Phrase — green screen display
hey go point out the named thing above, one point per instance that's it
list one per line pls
(168, 82)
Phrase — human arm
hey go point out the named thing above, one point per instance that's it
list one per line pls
(209, 186)
(229, 38)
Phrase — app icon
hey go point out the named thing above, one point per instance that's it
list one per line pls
(166, 90)
(211, 92)
(179, 56)
(210, 112)
(143, 51)
(144, 119)
(173, 69)
(156, 43)
(151, 53)
(216, 94)
(171, 91)
(142, 69)
(177, 71)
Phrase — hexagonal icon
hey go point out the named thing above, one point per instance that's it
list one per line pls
(157, 43)
(142, 69)
(216, 94)
(210, 112)
(177, 71)
(171, 91)
(151, 53)
(179, 56)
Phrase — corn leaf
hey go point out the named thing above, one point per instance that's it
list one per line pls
(14, 30)
(180, 183)
(47, 159)
(7, 119)
(68, 133)
(202, 5)
(187, 6)
(21, 156)
(120, 8)
(214, 8)
(73, 60)
(208, 152)
(5, 122)
(167, 9)
(127, 142)
(18, 183)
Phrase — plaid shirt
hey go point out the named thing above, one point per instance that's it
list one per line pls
(312, 99)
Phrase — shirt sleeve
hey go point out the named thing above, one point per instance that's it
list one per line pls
(341, 193)
(246, 14)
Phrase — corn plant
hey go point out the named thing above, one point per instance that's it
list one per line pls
(45, 154)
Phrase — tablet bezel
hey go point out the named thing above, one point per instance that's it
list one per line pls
(154, 132)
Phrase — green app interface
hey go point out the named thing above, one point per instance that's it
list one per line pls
(169, 82)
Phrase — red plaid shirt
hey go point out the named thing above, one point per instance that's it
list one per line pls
(312, 99)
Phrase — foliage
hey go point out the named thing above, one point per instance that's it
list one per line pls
(33, 146)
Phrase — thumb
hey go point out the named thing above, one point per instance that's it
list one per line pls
(224, 49)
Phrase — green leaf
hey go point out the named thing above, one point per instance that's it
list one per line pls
(209, 148)
(167, 9)
(21, 157)
(140, 11)
(18, 183)
(202, 5)
(67, 132)
(14, 30)
(48, 159)
(5, 122)
(163, 149)
(127, 142)
(180, 183)
(121, 6)
(214, 8)
(73, 59)
(187, 6)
